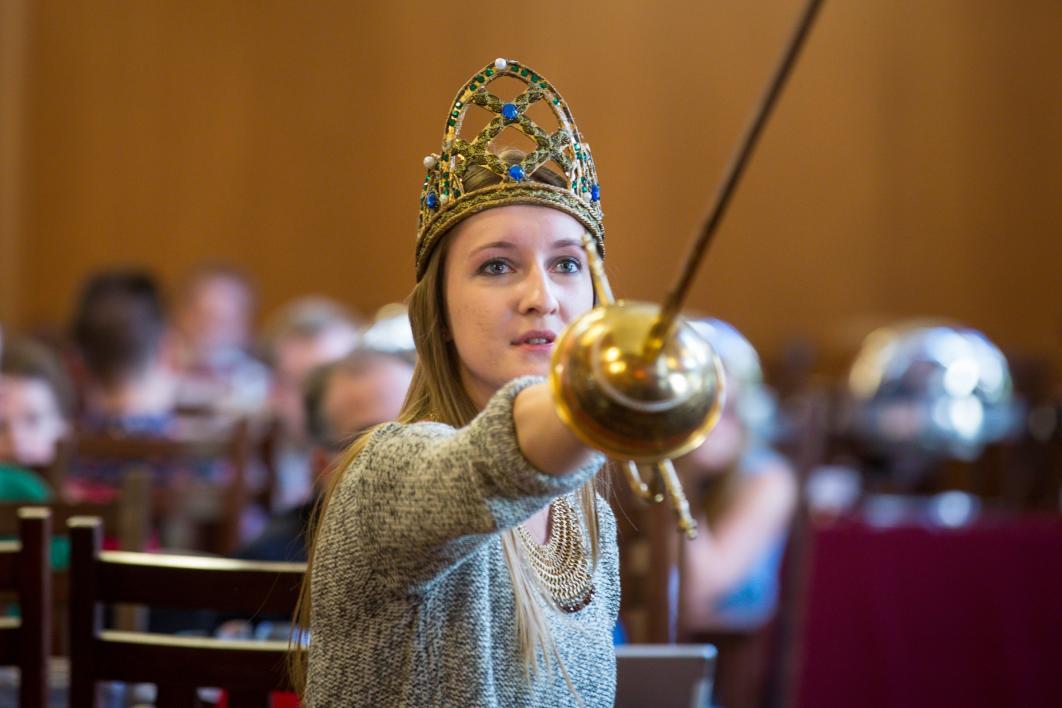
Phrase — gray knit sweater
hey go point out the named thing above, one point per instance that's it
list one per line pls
(412, 598)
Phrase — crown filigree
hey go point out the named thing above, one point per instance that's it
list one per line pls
(443, 202)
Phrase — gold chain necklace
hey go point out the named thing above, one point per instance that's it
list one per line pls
(561, 564)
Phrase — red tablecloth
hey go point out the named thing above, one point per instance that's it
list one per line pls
(913, 616)
(278, 699)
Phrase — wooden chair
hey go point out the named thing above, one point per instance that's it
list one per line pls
(178, 666)
(649, 547)
(126, 520)
(24, 570)
(213, 511)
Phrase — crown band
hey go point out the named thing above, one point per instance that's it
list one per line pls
(443, 204)
(496, 195)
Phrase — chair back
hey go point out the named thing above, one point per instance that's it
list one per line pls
(126, 520)
(177, 665)
(24, 571)
(212, 511)
(649, 548)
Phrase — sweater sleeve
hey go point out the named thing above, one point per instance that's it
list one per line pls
(420, 497)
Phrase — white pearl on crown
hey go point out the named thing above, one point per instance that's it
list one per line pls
(430, 161)
(500, 64)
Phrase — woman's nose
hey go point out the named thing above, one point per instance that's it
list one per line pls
(538, 293)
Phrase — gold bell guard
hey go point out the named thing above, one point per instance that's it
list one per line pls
(639, 407)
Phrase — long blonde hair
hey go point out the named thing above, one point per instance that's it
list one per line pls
(436, 393)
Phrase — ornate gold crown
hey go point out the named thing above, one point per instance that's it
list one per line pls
(443, 202)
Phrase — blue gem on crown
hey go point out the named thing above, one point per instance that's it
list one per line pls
(510, 111)
(595, 193)
(516, 172)
(433, 201)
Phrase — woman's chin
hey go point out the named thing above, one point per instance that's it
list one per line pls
(532, 368)
(534, 358)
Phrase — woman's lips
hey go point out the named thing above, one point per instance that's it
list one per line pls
(536, 341)
(529, 347)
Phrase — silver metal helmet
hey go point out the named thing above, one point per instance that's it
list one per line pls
(934, 387)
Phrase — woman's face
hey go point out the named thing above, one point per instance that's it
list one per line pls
(514, 277)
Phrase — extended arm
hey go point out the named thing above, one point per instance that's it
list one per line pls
(420, 497)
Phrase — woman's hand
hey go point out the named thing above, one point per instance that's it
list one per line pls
(545, 440)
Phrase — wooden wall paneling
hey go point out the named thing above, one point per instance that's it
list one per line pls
(910, 168)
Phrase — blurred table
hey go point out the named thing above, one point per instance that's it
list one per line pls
(911, 615)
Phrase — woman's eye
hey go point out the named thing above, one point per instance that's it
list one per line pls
(569, 265)
(495, 268)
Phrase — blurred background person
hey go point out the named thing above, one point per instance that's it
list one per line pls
(390, 332)
(126, 388)
(35, 402)
(302, 335)
(747, 496)
(342, 400)
(117, 329)
(209, 343)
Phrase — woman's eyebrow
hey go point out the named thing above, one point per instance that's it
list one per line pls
(493, 244)
(508, 245)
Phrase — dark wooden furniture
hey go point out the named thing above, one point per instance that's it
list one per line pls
(247, 670)
(126, 520)
(24, 570)
(211, 510)
(649, 556)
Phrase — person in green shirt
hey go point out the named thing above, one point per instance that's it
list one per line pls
(22, 485)
(34, 407)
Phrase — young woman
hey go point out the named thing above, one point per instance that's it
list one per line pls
(462, 556)
(748, 494)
